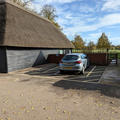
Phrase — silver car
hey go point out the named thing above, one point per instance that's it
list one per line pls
(74, 62)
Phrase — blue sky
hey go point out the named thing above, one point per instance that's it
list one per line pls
(88, 18)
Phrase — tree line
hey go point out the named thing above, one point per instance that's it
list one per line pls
(102, 43)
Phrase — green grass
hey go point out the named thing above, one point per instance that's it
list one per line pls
(114, 51)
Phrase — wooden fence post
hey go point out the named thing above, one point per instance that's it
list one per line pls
(116, 58)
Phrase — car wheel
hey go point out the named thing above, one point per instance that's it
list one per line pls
(83, 71)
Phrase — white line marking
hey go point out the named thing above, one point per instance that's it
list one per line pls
(91, 71)
(90, 80)
(57, 73)
(49, 69)
(81, 81)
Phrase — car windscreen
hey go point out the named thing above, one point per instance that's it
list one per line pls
(70, 57)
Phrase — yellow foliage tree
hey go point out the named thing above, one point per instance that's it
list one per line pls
(103, 42)
(78, 42)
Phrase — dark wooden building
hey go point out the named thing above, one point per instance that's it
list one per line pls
(26, 39)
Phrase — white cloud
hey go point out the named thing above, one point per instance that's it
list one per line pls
(39, 3)
(81, 26)
(37, 7)
(115, 40)
(54, 1)
(95, 35)
(111, 5)
(91, 19)
(60, 1)
(110, 19)
(86, 9)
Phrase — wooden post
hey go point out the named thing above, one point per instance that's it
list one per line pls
(107, 56)
(116, 58)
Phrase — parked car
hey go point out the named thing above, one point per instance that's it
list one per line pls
(74, 62)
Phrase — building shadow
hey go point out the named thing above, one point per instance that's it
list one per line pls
(108, 90)
(40, 59)
(39, 70)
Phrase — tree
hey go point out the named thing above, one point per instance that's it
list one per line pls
(23, 3)
(49, 12)
(103, 42)
(78, 42)
(91, 45)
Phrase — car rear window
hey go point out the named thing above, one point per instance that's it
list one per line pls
(70, 57)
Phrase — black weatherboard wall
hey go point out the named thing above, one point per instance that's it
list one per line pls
(20, 58)
(3, 60)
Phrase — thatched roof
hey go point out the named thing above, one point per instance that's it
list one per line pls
(22, 28)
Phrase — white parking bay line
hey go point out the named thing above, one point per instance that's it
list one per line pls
(50, 69)
(91, 71)
(57, 72)
(90, 80)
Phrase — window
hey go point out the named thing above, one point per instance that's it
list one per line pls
(60, 52)
(83, 56)
(70, 57)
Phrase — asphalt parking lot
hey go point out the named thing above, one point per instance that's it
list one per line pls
(92, 74)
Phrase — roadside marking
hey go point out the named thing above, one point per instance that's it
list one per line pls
(91, 71)
(96, 72)
(83, 81)
(90, 80)
(57, 72)
(50, 69)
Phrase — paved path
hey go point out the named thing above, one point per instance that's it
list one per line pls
(111, 75)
